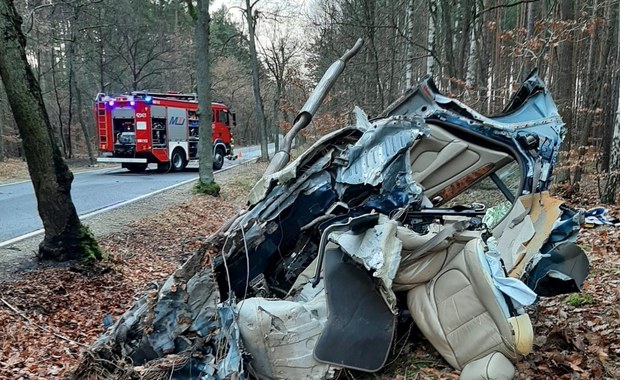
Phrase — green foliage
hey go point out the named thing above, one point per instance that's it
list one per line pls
(579, 299)
(202, 188)
(91, 250)
(227, 40)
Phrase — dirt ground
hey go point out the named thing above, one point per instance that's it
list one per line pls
(50, 313)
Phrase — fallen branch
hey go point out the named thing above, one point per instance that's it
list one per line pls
(21, 314)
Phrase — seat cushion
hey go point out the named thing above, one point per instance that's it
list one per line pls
(494, 366)
(459, 313)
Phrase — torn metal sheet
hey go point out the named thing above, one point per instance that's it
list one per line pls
(377, 148)
(231, 364)
(561, 270)
(379, 250)
(291, 171)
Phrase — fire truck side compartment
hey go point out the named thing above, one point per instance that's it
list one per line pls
(158, 125)
(177, 124)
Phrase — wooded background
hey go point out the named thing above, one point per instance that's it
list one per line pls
(477, 51)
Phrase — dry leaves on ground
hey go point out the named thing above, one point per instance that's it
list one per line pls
(72, 303)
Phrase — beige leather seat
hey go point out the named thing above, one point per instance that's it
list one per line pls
(459, 312)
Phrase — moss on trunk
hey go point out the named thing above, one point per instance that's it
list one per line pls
(211, 188)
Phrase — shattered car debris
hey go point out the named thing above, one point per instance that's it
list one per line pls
(431, 209)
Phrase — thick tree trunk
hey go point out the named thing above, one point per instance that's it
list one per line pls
(205, 147)
(2, 121)
(566, 77)
(51, 178)
(260, 109)
(611, 186)
(1, 136)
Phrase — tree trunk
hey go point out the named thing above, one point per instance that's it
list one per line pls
(51, 178)
(55, 85)
(71, 75)
(278, 71)
(594, 90)
(258, 100)
(609, 193)
(465, 39)
(472, 61)
(83, 124)
(409, 45)
(449, 59)
(203, 74)
(611, 186)
(566, 77)
(2, 121)
(430, 38)
(531, 17)
(613, 94)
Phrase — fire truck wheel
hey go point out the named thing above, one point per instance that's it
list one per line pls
(178, 160)
(136, 168)
(218, 159)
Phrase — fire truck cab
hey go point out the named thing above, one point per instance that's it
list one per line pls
(140, 128)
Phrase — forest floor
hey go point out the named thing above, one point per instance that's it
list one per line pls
(14, 170)
(50, 314)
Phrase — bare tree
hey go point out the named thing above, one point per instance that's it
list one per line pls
(206, 181)
(251, 15)
(278, 56)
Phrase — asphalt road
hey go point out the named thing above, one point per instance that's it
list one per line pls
(93, 192)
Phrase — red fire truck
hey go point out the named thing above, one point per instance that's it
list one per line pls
(142, 127)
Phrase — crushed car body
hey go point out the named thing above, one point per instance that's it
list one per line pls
(430, 209)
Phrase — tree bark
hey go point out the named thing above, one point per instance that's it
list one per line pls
(449, 60)
(84, 125)
(611, 186)
(565, 66)
(203, 74)
(430, 38)
(409, 45)
(56, 86)
(260, 109)
(597, 76)
(51, 178)
(2, 121)
(613, 179)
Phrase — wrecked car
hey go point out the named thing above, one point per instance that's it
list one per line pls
(430, 210)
